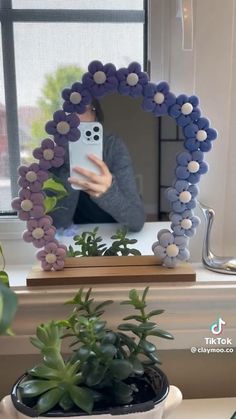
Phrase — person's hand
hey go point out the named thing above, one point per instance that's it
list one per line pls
(95, 185)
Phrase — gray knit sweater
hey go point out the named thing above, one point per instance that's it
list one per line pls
(121, 200)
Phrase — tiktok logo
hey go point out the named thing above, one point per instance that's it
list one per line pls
(217, 327)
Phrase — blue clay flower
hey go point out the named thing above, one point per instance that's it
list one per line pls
(76, 98)
(184, 223)
(185, 110)
(100, 79)
(199, 135)
(132, 80)
(190, 166)
(170, 248)
(182, 196)
(64, 128)
(157, 98)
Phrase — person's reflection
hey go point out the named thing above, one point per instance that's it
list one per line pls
(111, 196)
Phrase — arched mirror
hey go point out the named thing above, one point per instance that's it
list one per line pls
(119, 92)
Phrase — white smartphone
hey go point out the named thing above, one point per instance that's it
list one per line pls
(90, 142)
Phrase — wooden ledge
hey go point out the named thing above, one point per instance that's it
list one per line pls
(111, 269)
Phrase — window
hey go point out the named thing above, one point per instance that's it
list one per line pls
(47, 45)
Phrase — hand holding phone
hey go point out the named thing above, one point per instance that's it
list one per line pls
(88, 171)
(89, 143)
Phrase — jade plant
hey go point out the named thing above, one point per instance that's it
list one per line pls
(8, 299)
(91, 244)
(104, 363)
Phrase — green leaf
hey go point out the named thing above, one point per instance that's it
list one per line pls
(105, 303)
(95, 375)
(66, 403)
(144, 327)
(147, 346)
(82, 398)
(49, 203)
(122, 393)
(129, 326)
(108, 350)
(8, 306)
(145, 293)
(83, 353)
(32, 388)
(4, 278)
(153, 357)
(137, 365)
(48, 400)
(160, 333)
(121, 368)
(133, 317)
(155, 313)
(110, 337)
(135, 252)
(44, 371)
(56, 186)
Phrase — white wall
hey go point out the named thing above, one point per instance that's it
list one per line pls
(209, 71)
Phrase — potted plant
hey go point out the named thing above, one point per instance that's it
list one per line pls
(110, 372)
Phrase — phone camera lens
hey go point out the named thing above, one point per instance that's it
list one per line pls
(88, 133)
(96, 129)
(96, 137)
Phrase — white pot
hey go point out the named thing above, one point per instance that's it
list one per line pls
(160, 411)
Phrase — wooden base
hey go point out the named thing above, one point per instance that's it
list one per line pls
(110, 269)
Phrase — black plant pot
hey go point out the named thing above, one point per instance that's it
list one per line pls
(153, 390)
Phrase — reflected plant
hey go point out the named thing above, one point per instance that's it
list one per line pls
(91, 244)
(54, 190)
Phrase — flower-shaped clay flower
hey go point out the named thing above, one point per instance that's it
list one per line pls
(157, 98)
(40, 231)
(100, 79)
(76, 98)
(52, 256)
(182, 196)
(184, 223)
(199, 135)
(49, 154)
(64, 127)
(170, 248)
(29, 204)
(132, 80)
(190, 166)
(185, 110)
(32, 177)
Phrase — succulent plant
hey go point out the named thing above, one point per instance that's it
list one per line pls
(103, 363)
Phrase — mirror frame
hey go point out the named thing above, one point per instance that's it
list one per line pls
(98, 81)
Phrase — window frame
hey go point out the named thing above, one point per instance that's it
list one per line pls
(8, 16)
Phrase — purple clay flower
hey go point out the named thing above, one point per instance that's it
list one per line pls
(182, 196)
(64, 127)
(29, 204)
(40, 231)
(184, 223)
(32, 177)
(190, 166)
(76, 98)
(49, 154)
(185, 110)
(100, 79)
(170, 248)
(157, 98)
(132, 80)
(52, 256)
(199, 135)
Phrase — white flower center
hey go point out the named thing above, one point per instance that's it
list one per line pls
(159, 98)
(193, 166)
(186, 224)
(48, 154)
(50, 258)
(185, 197)
(38, 233)
(201, 135)
(26, 205)
(63, 127)
(99, 77)
(75, 98)
(172, 250)
(31, 176)
(132, 79)
(186, 108)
